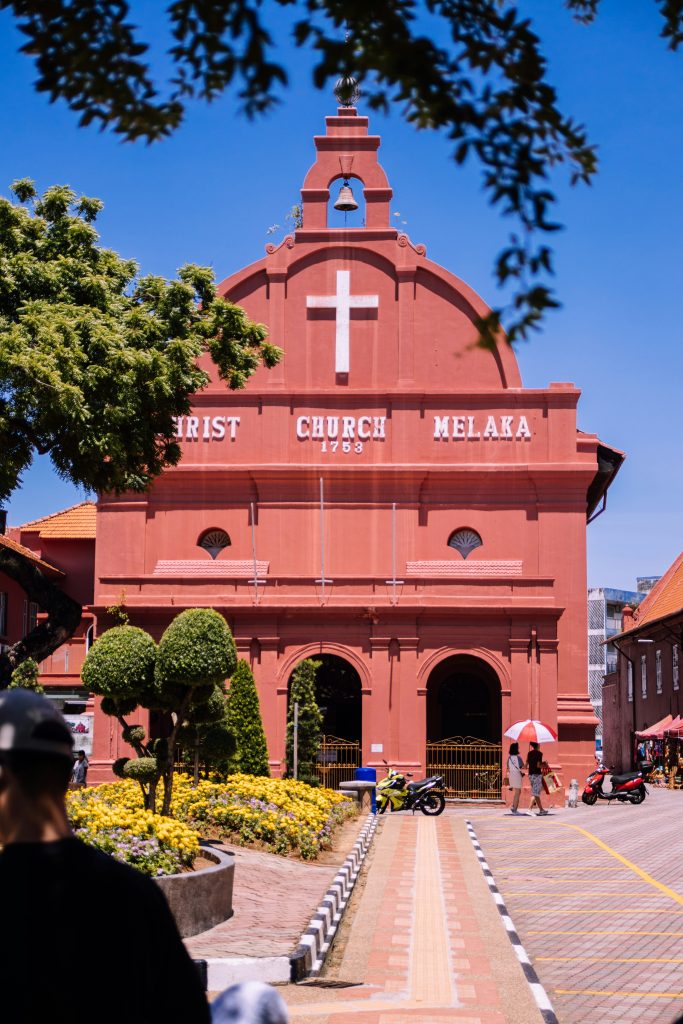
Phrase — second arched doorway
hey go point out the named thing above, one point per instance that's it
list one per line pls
(464, 727)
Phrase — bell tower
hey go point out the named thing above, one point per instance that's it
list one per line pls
(347, 150)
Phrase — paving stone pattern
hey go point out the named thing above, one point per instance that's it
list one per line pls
(425, 943)
(273, 899)
(607, 943)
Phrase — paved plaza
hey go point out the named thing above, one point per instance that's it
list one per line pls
(595, 895)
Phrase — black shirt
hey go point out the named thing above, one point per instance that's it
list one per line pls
(85, 937)
(534, 759)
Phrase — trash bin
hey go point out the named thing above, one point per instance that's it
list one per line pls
(368, 775)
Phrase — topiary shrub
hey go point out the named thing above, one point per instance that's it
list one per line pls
(133, 734)
(117, 708)
(120, 664)
(142, 769)
(118, 767)
(244, 721)
(196, 649)
(184, 676)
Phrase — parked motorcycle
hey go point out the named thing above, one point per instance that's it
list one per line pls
(396, 792)
(629, 786)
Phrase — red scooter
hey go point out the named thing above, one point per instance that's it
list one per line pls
(629, 786)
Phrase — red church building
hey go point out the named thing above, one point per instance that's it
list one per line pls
(389, 499)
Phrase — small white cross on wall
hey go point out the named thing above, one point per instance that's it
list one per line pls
(343, 302)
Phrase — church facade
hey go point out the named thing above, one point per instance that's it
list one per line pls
(389, 499)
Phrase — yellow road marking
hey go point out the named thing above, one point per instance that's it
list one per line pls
(617, 959)
(430, 974)
(601, 933)
(622, 912)
(618, 992)
(671, 893)
(358, 1006)
(588, 894)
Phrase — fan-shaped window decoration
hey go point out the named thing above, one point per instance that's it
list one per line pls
(214, 541)
(464, 541)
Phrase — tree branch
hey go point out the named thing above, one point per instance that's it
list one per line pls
(63, 613)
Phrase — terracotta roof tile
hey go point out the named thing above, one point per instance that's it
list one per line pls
(7, 542)
(77, 522)
(665, 598)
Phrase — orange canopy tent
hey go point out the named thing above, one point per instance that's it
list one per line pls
(656, 731)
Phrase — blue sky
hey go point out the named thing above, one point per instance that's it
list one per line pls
(209, 194)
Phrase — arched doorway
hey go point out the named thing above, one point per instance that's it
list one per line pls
(338, 695)
(464, 727)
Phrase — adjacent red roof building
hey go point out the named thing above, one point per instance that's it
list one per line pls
(646, 685)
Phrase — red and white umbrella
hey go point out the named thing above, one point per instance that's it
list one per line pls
(531, 731)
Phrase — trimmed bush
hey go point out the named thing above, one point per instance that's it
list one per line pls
(120, 665)
(184, 676)
(197, 648)
(142, 769)
(244, 721)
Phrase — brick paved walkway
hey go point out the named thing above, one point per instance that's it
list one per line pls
(606, 937)
(265, 925)
(424, 944)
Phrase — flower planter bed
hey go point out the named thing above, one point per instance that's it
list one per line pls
(201, 899)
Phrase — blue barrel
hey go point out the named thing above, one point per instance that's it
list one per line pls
(368, 775)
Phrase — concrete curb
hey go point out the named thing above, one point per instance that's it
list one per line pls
(537, 990)
(309, 957)
(223, 971)
(199, 900)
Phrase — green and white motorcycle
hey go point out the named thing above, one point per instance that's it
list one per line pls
(396, 792)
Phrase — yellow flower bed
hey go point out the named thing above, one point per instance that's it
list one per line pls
(283, 815)
(112, 818)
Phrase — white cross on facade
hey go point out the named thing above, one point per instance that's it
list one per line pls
(343, 302)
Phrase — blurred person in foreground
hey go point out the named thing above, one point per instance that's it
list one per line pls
(251, 1002)
(80, 931)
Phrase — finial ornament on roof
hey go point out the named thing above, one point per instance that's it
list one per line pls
(346, 91)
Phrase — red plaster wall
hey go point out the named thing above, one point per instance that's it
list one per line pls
(412, 359)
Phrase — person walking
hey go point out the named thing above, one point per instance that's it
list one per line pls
(534, 760)
(515, 775)
(80, 770)
(132, 965)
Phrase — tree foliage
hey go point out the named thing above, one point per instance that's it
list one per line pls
(95, 363)
(25, 676)
(302, 692)
(472, 69)
(183, 677)
(245, 723)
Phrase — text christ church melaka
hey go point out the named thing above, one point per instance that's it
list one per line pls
(389, 499)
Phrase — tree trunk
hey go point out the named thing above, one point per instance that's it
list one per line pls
(63, 613)
(168, 775)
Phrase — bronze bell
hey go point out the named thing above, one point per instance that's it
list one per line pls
(345, 201)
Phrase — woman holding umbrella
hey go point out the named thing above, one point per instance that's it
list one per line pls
(536, 733)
